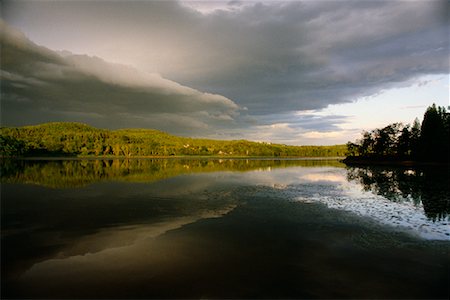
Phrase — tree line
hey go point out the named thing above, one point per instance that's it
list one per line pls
(426, 141)
(76, 139)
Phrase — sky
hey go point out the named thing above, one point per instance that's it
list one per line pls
(292, 72)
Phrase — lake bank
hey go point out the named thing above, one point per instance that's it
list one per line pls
(367, 161)
(110, 157)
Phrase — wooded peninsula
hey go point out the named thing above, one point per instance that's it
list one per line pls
(428, 141)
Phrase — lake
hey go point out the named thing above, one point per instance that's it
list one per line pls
(223, 228)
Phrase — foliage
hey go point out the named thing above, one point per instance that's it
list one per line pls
(75, 139)
(10, 146)
(429, 141)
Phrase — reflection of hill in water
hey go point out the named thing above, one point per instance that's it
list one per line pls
(76, 173)
(429, 186)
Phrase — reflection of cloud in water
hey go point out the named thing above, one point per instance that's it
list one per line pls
(131, 243)
(283, 177)
(332, 177)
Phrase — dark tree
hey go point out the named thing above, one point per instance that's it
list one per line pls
(429, 141)
(415, 138)
(434, 142)
(404, 143)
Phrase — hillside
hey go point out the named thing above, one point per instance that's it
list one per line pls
(77, 139)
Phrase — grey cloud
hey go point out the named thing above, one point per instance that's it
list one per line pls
(305, 121)
(40, 85)
(274, 56)
(310, 55)
(235, 3)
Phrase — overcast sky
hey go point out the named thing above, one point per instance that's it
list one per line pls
(295, 72)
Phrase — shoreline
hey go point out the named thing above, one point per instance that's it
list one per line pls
(348, 161)
(357, 161)
(176, 157)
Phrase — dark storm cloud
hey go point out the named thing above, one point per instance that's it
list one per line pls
(277, 56)
(305, 121)
(40, 85)
(296, 55)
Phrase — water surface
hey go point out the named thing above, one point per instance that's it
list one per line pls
(179, 228)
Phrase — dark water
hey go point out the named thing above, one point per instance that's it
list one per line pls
(222, 229)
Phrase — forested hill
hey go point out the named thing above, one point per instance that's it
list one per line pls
(76, 139)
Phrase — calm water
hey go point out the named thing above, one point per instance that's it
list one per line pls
(175, 228)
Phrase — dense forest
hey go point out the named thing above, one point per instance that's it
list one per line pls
(76, 139)
(429, 141)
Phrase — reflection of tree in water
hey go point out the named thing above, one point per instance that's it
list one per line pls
(79, 172)
(429, 186)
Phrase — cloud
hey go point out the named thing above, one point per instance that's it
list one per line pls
(297, 55)
(292, 128)
(274, 58)
(40, 85)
